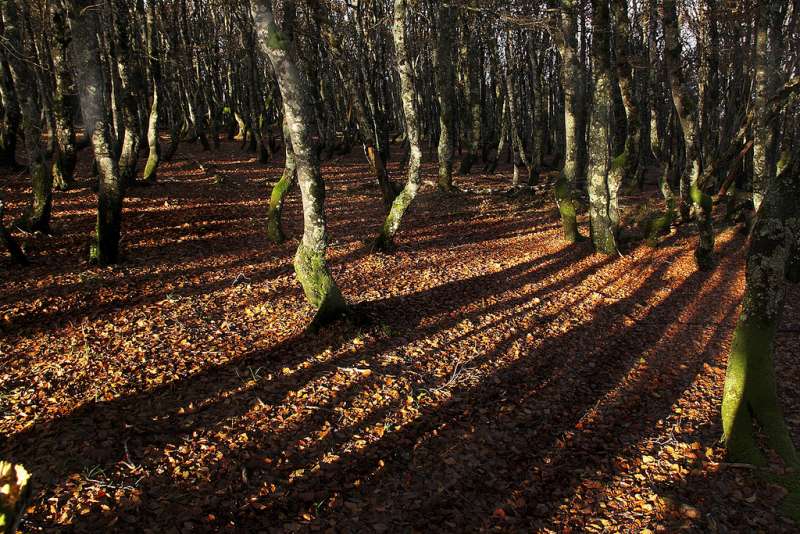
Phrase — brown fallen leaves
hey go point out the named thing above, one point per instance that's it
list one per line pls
(502, 380)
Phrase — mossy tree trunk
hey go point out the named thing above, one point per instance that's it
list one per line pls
(686, 108)
(445, 95)
(104, 248)
(603, 173)
(309, 261)
(154, 147)
(63, 101)
(280, 190)
(750, 383)
(37, 216)
(565, 37)
(405, 69)
(622, 39)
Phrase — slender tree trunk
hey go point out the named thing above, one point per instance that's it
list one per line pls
(309, 261)
(513, 115)
(443, 76)
(37, 216)
(709, 87)
(332, 37)
(686, 109)
(472, 89)
(154, 147)
(567, 44)
(405, 69)
(632, 154)
(130, 85)
(63, 102)
(104, 248)
(279, 191)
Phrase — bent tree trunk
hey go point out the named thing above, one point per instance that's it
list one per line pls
(750, 394)
(279, 191)
(385, 240)
(603, 173)
(309, 261)
(37, 216)
(104, 248)
(686, 107)
(151, 167)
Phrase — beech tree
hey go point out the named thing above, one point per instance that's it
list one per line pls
(309, 261)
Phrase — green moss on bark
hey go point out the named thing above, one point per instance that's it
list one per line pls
(318, 285)
(279, 191)
(566, 207)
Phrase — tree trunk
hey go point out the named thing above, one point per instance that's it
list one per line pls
(567, 44)
(750, 395)
(130, 85)
(443, 77)
(11, 116)
(8, 240)
(405, 69)
(37, 216)
(309, 261)
(763, 133)
(472, 90)
(104, 248)
(686, 109)
(603, 173)
(63, 102)
(632, 154)
(154, 147)
(279, 191)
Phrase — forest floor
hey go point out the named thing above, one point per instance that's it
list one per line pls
(504, 380)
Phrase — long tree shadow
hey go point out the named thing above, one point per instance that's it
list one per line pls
(150, 421)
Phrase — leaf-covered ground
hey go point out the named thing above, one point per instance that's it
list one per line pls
(502, 380)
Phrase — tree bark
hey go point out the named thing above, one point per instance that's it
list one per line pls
(444, 80)
(279, 191)
(565, 37)
(309, 261)
(686, 108)
(37, 216)
(405, 69)
(154, 147)
(750, 395)
(104, 248)
(63, 101)
(603, 172)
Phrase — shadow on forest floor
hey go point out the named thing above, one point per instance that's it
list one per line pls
(504, 380)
